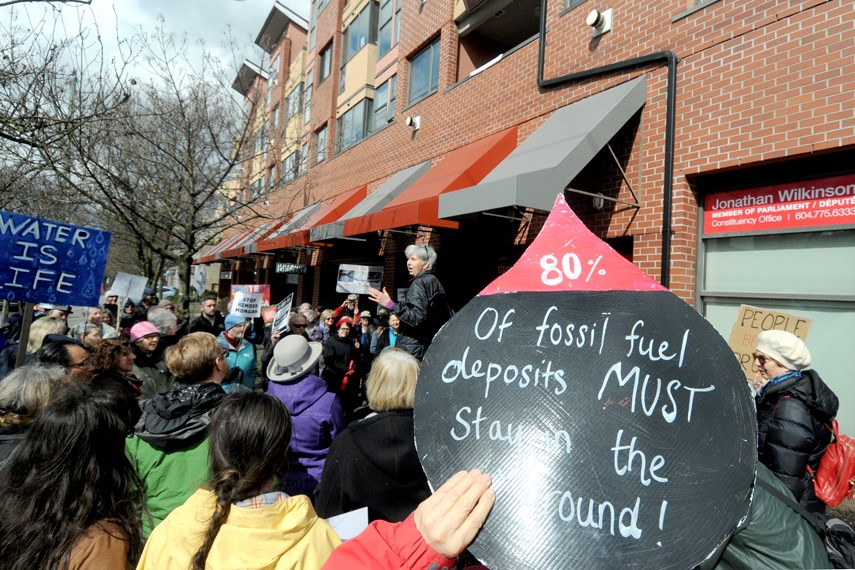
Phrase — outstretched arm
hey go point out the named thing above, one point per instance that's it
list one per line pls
(441, 527)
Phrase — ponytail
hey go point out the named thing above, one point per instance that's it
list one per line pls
(224, 489)
(248, 441)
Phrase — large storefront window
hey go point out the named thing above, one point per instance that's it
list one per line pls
(787, 251)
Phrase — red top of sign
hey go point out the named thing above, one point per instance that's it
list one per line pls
(566, 256)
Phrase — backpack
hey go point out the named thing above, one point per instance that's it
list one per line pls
(834, 480)
(836, 535)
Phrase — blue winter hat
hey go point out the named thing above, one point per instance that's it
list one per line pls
(148, 291)
(233, 320)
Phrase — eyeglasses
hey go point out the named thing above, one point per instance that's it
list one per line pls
(82, 364)
(762, 358)
(329, 319)
(296, 326)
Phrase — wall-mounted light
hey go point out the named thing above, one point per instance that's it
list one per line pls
(599, 203)
(414, 123)
(600, 21)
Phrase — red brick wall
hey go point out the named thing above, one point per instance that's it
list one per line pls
(756, 80)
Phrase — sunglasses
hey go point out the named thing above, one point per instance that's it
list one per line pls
(762, 358)
(296, 326)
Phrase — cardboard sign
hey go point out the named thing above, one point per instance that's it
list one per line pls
(264, 290)
(127, 286)
(283, 309)
(247, 304)
(751, 321)
(358, 278)
(610, 414)
(50, 262)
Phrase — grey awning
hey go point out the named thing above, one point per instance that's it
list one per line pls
(374, 202)
(551, 157)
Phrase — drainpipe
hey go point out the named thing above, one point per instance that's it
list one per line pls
(670, 112)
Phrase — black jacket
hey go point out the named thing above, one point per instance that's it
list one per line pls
(792, 432)
(337, 354)
(422, 314)
(201, 324)
(179, 418)
(373, 464)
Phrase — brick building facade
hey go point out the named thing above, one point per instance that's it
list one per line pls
(737, 97)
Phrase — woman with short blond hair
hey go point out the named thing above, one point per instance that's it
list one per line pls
(374, 462)
(391, 385)
(170, 446)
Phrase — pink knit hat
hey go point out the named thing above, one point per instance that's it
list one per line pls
(142, 329)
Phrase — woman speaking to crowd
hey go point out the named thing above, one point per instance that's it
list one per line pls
(425, 309)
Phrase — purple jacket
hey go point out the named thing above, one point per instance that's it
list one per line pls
(316, 418)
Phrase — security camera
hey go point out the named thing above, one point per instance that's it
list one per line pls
(413, 122)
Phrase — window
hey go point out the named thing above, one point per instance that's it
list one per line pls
(324, 63)
(293, 102)
(485, 38)
(320, 145)
(352, 125)
(290, 167)
(389, 25)
(319, 6)
(312, 36)
(274, 121)
(256, 189)
(274, 70)
(304, 158)
(307, 100)
(259, 147)
(271, 178)
(360, 32)
(384, 104)
(424, 72)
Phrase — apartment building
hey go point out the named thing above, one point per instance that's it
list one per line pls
(710, 142)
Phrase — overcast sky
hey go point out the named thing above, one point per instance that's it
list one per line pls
(200, 19)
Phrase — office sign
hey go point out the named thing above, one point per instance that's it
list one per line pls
(814, 203)
(289, 267)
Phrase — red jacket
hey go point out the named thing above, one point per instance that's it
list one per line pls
(388, 545)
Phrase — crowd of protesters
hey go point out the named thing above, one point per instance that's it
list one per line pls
(163, 443)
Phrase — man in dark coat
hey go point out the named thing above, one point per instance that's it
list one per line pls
(210, 320)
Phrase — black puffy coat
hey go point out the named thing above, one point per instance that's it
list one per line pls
(337, 354)
(373, 464)
(792, 433)
(422, 314)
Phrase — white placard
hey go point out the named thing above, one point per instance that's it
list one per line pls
(247, 304)
(280, 321)
(347, 525)
(358, 278)
(199, 279)
(129, 286)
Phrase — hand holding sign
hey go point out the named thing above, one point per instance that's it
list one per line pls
(449, 519)
(609, 413)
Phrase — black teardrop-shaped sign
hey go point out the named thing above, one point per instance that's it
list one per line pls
(615, 421)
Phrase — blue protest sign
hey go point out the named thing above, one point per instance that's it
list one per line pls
(42, 261)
